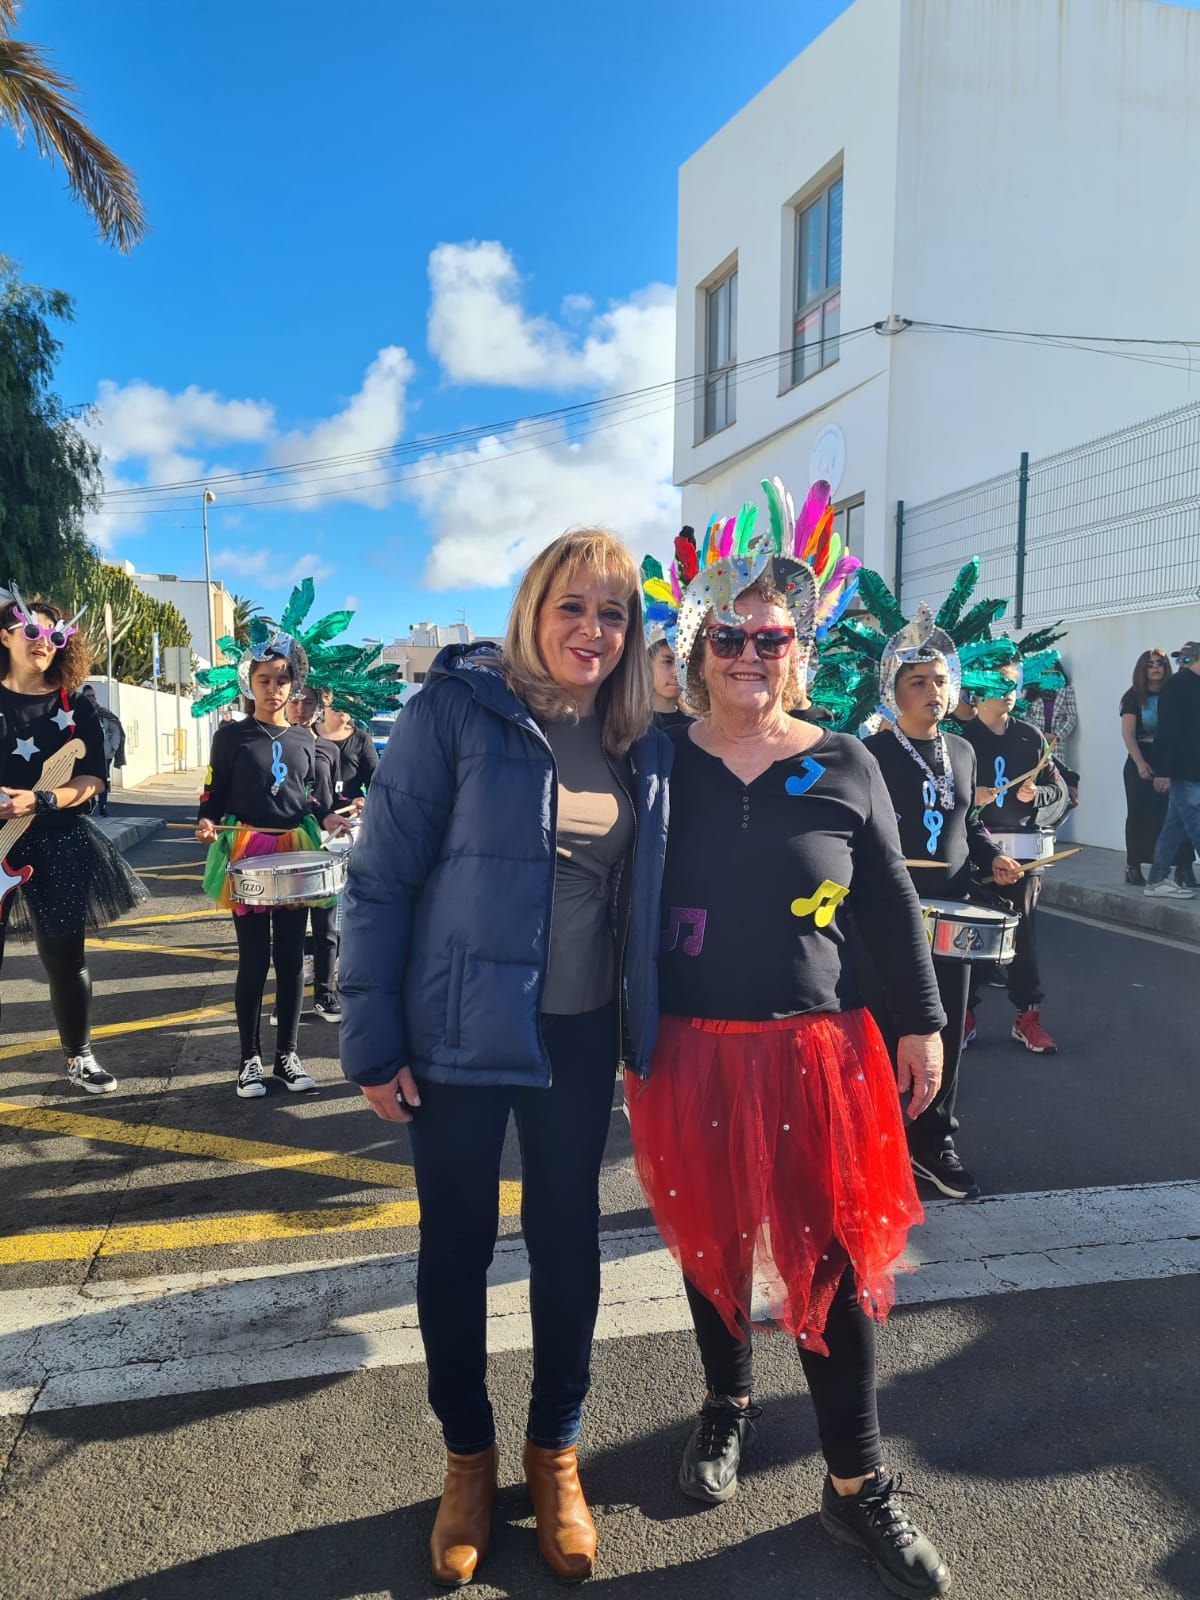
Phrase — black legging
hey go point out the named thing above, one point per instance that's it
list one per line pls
(324, 938)
(70, 986)
(842, 1384)
(257, 932)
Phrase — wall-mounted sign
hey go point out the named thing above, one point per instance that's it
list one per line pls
(828, 458)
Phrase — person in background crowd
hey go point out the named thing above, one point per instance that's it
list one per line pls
(357, 759)
(1007, 747)
(499, 949)
(304, 711)
(1145, 807)
(1177, 771)
(666, 697)
(114, 745)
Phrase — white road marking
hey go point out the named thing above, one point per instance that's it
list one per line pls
(118, 1341)
(1188, 949)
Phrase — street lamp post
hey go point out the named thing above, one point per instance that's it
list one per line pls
(206, 500)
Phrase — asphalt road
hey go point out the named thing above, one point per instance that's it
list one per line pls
(208, 1353)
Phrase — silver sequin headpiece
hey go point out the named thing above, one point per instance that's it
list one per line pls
(919, 640)
(716, 587)
(286, 648)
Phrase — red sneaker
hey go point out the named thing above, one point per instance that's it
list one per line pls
(968, 1029)
(1028, 1030)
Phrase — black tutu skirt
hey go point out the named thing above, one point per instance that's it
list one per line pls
(80, 880)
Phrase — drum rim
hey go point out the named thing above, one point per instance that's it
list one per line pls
(957, 908)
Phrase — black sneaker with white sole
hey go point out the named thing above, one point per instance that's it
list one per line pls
(713, 1453)
(250, 1085)
(873, 1520)
(945, 1171)
(327, 1008)
(85, 1073)
(288, 1068)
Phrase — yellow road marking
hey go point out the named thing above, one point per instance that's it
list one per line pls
(165, 916)
(111, 1030)
(211, 1146)
(164, 949)
(175, 877)
(201, 1232)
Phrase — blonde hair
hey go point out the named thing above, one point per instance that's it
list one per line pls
(624, 699)
(795, 687)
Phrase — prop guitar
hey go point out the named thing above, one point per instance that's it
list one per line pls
(55, 770)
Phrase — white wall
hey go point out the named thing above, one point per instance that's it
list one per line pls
(135, 707)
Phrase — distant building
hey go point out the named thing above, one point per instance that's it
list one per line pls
(414, 655)
(187, 596)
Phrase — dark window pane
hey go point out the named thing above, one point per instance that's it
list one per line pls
(856, 517)
(834, 273)
(807, 358)
(810, 278)
(833, 323)
(731, 311)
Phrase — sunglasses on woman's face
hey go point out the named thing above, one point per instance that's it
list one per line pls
(770, 644)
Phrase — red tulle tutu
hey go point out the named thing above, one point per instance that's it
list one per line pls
(772, 1154)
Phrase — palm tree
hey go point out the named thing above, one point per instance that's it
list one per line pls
(244, 613)
(36, 98)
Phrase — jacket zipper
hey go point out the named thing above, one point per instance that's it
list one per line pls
(625, 930)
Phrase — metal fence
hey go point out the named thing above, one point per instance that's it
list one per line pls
(1107, 527)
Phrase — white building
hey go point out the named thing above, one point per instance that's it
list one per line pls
(187, 595)
(1023, 165)
(415, 655)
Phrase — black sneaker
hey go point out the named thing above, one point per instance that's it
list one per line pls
(84, 1072)
(327, 1008)
(873, 1520)
(287, 1067)
(250, 1085)
(944, 1170)
(711, 1457)
(1133, 874)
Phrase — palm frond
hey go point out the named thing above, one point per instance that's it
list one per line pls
(36, 98)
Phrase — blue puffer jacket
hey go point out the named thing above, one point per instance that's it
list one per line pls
(446, 918)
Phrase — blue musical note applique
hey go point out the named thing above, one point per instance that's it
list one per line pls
(1001, 769)
(279, 769)
(812, 771)
(933, 819)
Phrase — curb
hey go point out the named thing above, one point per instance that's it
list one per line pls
(1124, 910)
(125, 832)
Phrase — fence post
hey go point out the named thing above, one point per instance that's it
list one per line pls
(899, 548)
(1022, 510)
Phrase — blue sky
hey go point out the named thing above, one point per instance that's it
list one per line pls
(372, 225)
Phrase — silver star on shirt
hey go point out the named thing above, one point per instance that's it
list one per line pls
(64, 718)
(27, 749)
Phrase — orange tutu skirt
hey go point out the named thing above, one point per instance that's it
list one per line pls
(773, 1154)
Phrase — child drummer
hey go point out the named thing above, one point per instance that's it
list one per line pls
(930, 777)
(267, 791)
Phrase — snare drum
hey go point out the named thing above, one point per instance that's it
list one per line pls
(1034, 846)
(292, 878)
(961, 932)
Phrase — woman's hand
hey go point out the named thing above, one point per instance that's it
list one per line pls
(206, 830)
(1162, 785)
(1005, 869)
(1144, 770)
(984, 796)
(335, 825)
(391, 1101)
(17, 803)
(359, 804)
(1027, 793)
(919, 1068)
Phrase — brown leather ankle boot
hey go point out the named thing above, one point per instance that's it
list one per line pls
(565, 1530)
(463, 1523)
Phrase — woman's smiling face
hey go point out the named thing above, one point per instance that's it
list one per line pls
(581, 631)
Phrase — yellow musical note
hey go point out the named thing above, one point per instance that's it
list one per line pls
(822, 905)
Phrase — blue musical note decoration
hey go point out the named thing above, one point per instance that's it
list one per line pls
(933, 819)
(1001, 769)
(813, 770)
(279, 769)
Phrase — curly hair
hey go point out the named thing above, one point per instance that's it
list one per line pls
(71, 664)
(795, 688)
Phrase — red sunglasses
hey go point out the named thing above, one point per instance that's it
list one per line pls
(770, 644)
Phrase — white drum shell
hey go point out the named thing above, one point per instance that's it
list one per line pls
(961, 932)
(293, 878)
(1025, 846)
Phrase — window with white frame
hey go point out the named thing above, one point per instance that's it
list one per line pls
(849, 520)
(720, 355)
(818, 298)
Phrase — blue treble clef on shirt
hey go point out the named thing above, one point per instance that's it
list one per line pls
(933, 819)
(279, 769)
(1001, 769)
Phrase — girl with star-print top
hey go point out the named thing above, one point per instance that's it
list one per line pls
(62, 876)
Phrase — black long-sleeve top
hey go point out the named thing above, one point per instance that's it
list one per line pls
(1177, 745)
(357, 760)
(1001, 756)
(962, 840)
(32, 728)
(244, 769)
(760, 877)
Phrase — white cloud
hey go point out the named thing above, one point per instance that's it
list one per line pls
(241, 563)
(614, 470)
(264, 567)
(351, 602)
(140, 420)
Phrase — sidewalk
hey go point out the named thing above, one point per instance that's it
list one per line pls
(129, 819)
(1093, 884)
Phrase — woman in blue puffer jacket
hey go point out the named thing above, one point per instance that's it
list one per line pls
(499, 954)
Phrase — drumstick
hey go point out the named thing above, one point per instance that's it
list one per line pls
(1046, 861)
(1015, 783)
(908, 863)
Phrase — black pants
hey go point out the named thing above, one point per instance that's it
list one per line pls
(1024, 980)
(842, 1384)
(102, 797)
(457, 1141)
(259, 934)
(1145, 810)
(70, 985)
(324, 939)
(934, 1130)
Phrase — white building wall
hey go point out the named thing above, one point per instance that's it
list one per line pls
(136, 708)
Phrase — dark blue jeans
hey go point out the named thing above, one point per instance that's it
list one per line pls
(457, 1140)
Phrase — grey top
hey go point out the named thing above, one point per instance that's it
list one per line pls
(595, 831)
